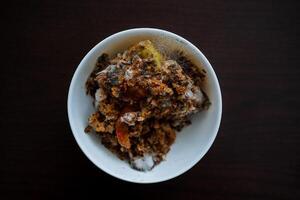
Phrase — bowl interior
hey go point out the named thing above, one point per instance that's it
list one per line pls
(191, 143)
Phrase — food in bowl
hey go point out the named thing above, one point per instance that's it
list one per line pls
(142, 98)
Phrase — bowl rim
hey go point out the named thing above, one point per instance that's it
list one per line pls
(218, 119)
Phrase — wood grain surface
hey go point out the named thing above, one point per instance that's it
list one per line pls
(253, 47)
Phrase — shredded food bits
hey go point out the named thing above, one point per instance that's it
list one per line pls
(142, 98)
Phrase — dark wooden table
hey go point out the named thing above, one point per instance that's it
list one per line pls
(253, 47)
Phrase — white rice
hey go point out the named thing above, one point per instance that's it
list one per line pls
(145, 163)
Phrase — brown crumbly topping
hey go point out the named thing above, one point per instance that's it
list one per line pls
(142, 99)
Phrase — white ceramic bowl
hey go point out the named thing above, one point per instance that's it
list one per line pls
(191, 143)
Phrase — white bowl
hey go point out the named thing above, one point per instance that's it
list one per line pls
(191, 143)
